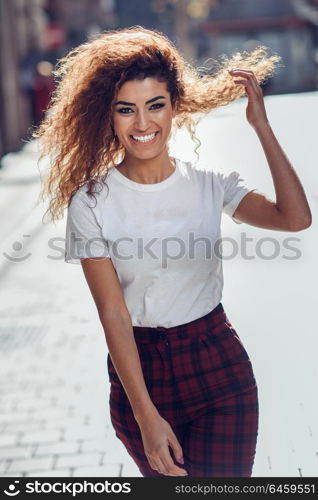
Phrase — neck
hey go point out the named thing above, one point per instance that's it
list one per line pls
(149, 171)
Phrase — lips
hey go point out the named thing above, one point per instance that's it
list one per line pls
(143, 143)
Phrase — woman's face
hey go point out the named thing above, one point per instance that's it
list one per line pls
(143, 117)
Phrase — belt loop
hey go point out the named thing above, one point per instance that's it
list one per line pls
(162, 335)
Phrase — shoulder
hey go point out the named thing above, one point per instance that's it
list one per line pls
(217, 177)
(89, 198)
(82, 207)
(202, 173)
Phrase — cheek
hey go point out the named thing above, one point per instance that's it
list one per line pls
(166, 120)
(120, 125)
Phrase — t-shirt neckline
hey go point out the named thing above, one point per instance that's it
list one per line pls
(147, 187)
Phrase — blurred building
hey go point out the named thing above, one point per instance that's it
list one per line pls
(206, 29)
(21, 25)
(234, 26)
(35, 33)
(81, 19)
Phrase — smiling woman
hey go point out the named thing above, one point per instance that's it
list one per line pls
(183, 396)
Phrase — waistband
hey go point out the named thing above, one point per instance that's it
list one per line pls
(146, 334)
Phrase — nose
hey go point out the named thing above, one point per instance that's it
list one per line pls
(142, 121)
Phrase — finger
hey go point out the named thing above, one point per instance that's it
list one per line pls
(242, 72)
(176, 448)
(152, 464)
(156, 465)
(172, 470)
(245, 83)
(248, 72)
(249, 88)
(170, 467)
(160, 466)
(249, 75)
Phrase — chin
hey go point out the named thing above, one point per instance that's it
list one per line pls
(145, 155)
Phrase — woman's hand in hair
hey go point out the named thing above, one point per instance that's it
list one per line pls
(255, 111)
(157, 436)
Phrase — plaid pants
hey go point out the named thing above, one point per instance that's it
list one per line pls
(200, 378)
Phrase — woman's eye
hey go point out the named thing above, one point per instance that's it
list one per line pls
(126, 111)
(159, 104)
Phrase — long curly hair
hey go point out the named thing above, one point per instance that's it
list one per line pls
(77, 133)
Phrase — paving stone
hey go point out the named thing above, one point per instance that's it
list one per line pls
(13, 474)
(130, 469)
(9, 440)
(31, 465)
(21, 427)
(33, 405)
(115, 451)
(95, 445)
(3, 466)
(41, 437)
(6, 408)
(84, 433)
(51, 413)
(50, 473)
(16, 418)
(59, 423)
(16, 452)
(58, 449)
(19, 397)
(87, 459)
(108, 470)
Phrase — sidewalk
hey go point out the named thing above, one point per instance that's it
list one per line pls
(54, 413)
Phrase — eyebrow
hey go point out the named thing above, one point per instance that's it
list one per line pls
(147, 102)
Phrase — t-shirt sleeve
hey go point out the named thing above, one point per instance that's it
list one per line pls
(235, 188)
(83, 238)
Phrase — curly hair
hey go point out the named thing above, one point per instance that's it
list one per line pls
(77, 132)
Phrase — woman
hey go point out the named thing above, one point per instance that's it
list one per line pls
(183, 396)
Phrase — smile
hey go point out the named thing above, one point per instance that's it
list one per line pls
(144, 138)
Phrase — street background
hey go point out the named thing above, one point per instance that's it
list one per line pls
(54, 412)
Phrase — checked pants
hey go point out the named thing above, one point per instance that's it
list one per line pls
(200, 378)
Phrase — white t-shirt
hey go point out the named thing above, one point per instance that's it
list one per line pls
(163, 239)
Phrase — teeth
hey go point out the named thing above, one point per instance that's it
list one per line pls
(144, 138)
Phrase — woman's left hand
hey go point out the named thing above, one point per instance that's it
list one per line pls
(255, 111)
